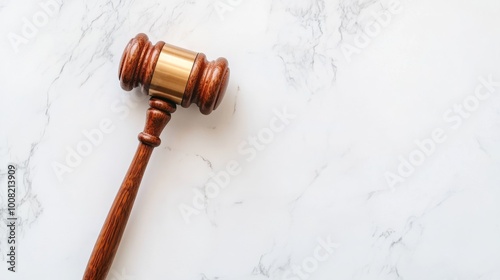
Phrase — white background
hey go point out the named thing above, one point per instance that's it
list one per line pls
(364, 80)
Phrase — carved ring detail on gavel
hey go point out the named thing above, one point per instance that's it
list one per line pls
(170, 75)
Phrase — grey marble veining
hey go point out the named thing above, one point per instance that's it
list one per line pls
(357, 140)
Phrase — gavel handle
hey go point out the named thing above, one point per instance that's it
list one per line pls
(111, 233)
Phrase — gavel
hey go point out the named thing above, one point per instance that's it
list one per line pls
(170, 75)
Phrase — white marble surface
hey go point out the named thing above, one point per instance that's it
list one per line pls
(357, 104)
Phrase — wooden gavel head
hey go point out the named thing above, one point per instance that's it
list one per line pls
(174, 74)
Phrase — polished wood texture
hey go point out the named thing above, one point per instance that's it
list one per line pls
(107, 243)
(205, 87)
(207, 84)
(138, 63)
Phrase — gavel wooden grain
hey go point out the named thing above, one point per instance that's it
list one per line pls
(170, 75)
